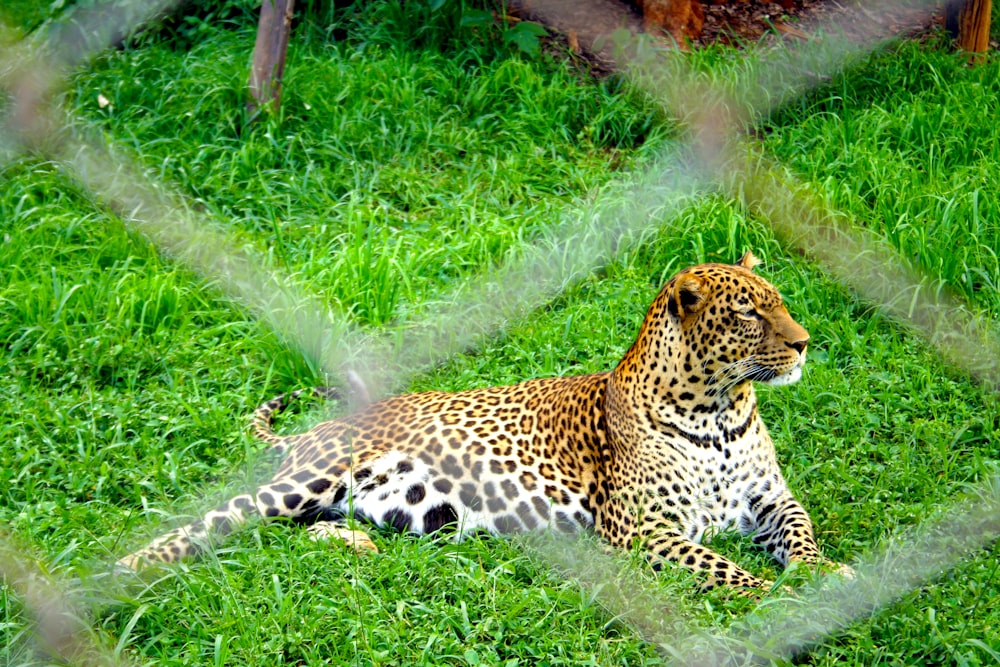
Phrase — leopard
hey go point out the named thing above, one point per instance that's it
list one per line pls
(655, 454)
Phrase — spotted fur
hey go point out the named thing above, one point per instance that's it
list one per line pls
(656, 452)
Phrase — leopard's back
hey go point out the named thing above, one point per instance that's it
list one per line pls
(501, 459)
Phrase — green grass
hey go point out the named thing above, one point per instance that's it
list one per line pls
(405, 162)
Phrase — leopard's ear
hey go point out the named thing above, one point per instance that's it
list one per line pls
(748, 261)
(687, 296)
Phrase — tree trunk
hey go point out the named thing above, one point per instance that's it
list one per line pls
(969, 21)
(269, 54)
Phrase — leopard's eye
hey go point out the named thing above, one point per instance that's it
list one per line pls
(750, 315)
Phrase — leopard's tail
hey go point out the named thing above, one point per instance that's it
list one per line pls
(263, 416)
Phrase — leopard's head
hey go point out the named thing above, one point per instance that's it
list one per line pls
(733, 326)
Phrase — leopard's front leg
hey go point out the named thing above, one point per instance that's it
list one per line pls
(623, 521)
(785, 530)
(714, 569)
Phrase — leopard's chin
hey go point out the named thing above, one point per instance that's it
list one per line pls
(790, 377)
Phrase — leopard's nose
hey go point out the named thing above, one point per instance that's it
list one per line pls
(798, 345)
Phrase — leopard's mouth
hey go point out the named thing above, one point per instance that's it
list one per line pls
(794, 374)
(753, 369)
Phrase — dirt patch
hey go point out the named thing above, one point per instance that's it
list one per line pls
(585, 24)
(739, 23)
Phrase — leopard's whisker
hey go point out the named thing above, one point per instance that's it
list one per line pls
(730, 375)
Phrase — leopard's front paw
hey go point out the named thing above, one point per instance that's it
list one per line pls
(840, 569)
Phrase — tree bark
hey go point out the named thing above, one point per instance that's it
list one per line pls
(681, 19)
(269, 55)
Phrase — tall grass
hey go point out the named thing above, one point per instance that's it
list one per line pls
(412, 152)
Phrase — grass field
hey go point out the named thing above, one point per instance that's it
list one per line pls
(412, 153)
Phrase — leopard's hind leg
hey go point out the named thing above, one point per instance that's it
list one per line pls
(278, 498)
(194, 537)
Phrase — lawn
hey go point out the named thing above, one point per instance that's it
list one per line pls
(417, 149)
